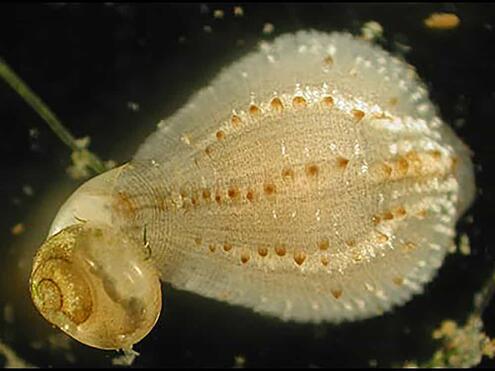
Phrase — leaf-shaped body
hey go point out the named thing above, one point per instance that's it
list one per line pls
(311, 180)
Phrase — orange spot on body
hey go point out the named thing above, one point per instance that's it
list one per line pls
(227, 246)
(287, 173)
(375, 219)
(235, 121)
(400, 211)
(312, 170)
(299, 102)
(398, 280)
(262, 251)
(206, 194)
(324, 244)
(269, 189)
(220, 135)
(382, 238)
(194, 201)
(277, 105)
(218, 198)
(328, 61)
(436, 154)
(358, 114)
(337, 293)
(324, 260)
(299, 257)
(254, 110)
(250, 195)
(342, 162)
(244, 257)
(280, 250)
(212, 247)
(402, 166)
(387, 170)
(328, 102)
(233, 192)
(388, 215)
(198, 241)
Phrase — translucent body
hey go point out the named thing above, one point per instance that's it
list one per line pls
(312, 180)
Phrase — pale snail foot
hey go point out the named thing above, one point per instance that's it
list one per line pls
(97, 286)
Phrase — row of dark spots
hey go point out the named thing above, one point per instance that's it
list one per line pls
(298, 255)
(269, 188)
(280, 250)
(276, 105)
(414, 165)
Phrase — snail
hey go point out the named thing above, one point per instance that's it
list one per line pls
(312, 180)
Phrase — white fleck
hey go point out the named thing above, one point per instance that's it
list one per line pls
(332, 50)
(133, 106)
(218, 13)
(393, 148)
(268, 28)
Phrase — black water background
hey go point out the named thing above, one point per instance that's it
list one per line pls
(88, 61)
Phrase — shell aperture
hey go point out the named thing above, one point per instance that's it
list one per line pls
(312, 180)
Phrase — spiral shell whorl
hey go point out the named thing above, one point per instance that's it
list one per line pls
(97, 286)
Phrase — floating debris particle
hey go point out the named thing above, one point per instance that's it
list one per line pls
(34, 133)
(238, 11)
(371, 31)
(464, 245)
(133, 106)
(207, 28)
(126, 359)
(268, 28)
(28, 190)
(218, 13)
(80, 165)
(461, 346)
(82, 160)
(239, 361)
(18, 229)
(442, 21)
(182, 39)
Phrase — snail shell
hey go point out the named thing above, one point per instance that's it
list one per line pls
(312, 180)
(96, 283)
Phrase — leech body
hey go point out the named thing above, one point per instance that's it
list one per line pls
(311, 181)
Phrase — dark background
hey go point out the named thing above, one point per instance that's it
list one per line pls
(87, 61)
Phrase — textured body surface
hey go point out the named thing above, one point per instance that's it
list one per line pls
(312, 180)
